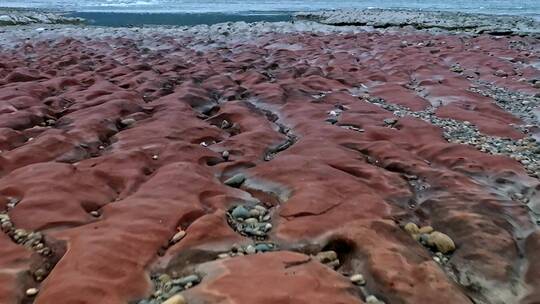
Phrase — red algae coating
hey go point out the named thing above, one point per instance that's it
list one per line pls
(111, 145)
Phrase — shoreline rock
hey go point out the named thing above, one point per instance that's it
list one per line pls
(10, 17)
(441, 20)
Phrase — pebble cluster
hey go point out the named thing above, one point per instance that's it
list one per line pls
(521, 105)
(425, 20)
(524, 150)
(331, 259)
(167, 288)
(328, 258)
(30, 240)
(433, 239)
(250, 221)
(258, 247)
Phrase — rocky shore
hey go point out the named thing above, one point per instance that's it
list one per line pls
(289, 162)
(10, 16)
(432, 20)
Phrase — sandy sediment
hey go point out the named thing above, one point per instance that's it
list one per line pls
(268, 163)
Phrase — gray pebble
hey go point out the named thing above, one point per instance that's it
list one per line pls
(236, 181)
(240, 212)
(193, 279)
(250, 249)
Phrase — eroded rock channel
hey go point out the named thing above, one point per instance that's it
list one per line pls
(268, 163)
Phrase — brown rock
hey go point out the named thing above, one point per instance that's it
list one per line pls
(426, 230)
(411, 228)
(441, 241)
(326, 256)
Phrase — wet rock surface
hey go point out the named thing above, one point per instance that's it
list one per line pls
(186, 165)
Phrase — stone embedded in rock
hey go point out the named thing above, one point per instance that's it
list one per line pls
(250, 249)
(176, 299)
(411, 228)
(326, 256)
(251, 220)
(390, 121)
(32, 292)
(456, 69)
(240, 212)
(164, 278)
(193, 279)
(358, 279)
(426, 229)
(500, 73)
(267, 227)
(225, 124)
(254, 212)
(127, 122)
(263, 247)
(441, 241)
(235, 181)
(178, 236)
(373, 300)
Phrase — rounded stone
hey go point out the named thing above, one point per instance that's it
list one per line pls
(411, 228)
(261, 209)
(426, 230)
(178, 236)
(373, 300)
(225, 124)
(235, 181)
(193, 279)
(225, 155)
(40, 273)
(254, 213)
(358, 279)
(240, 212)
(176, 299)
(326, 256)
(267, 227)
(164, 278)
(390, 121)
(262, 247)
(250, 249)
(251, 221)
(127, 122)
(32, 292)
(441, 241)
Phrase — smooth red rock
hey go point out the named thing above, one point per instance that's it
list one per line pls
(277, 277)
(66, 154)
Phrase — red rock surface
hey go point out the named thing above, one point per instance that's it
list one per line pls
(67, 150)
